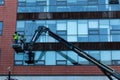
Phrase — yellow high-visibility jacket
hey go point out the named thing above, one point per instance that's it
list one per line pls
(15, 36)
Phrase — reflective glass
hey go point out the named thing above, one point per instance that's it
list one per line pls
(72, 38)
(114, 7)
(92, 8)
(72, 28)
(52, 25)
(82, 38)
(61, 55)
(92, 2)
(72, 8)
(52, 2)
(115, 24)
(20, 25)
(82, 8)
(2, 2)
(93, 24)
(103, 7)
(82, 2)
(83, 61)
(61, 8)
(1, 26)
(103, 1)
(18, 56)
(61, 25)
(21, 9)
(82, 27)
(115, 55)
(50, 58)
(71, 2)
(51, 9)
(106, 57)
(48, 39)
(115, 38)
(104, 38)
(61, 2)
(115, 32)
(93, 32)
(95, 54)
(73, 58)
(40, 55)
(104, 27)
(93, 38)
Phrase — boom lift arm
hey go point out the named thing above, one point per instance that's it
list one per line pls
(109, 72)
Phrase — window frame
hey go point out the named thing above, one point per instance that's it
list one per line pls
(1, 29)
(2, 2)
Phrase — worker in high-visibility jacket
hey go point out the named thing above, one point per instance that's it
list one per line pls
(15, 37)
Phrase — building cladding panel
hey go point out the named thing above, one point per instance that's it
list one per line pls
(9, 16)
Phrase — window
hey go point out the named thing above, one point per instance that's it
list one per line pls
(82, 27)
(92, 1)
(104, 27)
(41, 2)
(106, 57)
(1, 2)
(61, 2)
(72, 2)
(21, 3)
(113, 2)
(72, 27)
(1, 25)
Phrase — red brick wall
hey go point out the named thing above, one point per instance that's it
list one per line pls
(8, 16)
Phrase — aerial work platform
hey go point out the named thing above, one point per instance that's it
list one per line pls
(109, 72)
(18, 47)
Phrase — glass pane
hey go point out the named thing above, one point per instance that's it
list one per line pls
(115, 38)
(1, 2)
(93, 38)
(92, 1)
(93, 8)
(82, 2)
(20, 25)
(18, 56)
(52, 2)
(115, 23)
(115, 55)
(50, 58)
(83, 38)
(51, 25)
(73, 56)
(72, 38)
(104, 38)
(83, 61)
(95, 54)
(82, 27)
(72, 28)
(82, 8)
(103, 1)
(61, 55)
(103, 7)
(106, 57)
(115, 31)
(72, 2)
(40, 55)
(93, 24)
(1, 25)
(104, 27)
(61, 25)
(114, 7)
